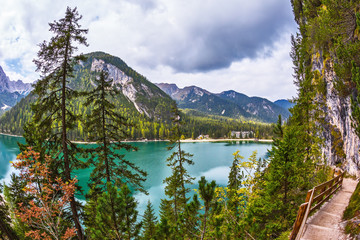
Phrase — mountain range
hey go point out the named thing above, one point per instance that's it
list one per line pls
(228, 103)
(146, 104)
(11, 92)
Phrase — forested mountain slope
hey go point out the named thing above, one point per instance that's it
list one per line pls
(138, 99)
(147, 106)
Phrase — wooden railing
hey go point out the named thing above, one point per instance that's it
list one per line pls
(314, 199)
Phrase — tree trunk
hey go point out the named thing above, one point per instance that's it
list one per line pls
(65, 147)
(108, 179)
(204, 228)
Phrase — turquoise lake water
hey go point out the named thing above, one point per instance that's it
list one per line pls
(212, 160)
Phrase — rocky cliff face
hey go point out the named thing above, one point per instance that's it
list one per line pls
(142, 94)
(341, 142)
(120, 78)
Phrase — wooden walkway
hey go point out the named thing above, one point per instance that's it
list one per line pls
(325, 223)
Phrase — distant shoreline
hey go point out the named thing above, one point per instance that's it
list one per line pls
(183, 141)
(228, 140)
(11, 135)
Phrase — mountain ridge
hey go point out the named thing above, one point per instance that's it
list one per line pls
(227, 103)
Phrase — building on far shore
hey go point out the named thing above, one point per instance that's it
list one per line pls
(201, 137)
(242, 134)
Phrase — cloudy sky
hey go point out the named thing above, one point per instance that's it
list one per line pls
(217, 45)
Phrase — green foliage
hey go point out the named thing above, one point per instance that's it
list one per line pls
(14, 194)
(355, 101)
(164, 230)
(176, 189)
(108, 128)
(282, 189)
(211, 207)
(338, 144)
(112, 221)
(195, 123)
(236, 177)
(352, 214)
(149, 222)
(53, 114)
(6, 230)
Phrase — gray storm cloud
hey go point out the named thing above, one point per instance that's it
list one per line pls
(213, 37)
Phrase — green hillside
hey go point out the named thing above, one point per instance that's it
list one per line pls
(143, 103)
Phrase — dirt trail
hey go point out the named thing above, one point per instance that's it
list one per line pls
(325, 224)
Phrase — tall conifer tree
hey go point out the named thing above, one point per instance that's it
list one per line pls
(52, 109)
(108, 128)
(149, 222)
(117, 221)
(176, 189)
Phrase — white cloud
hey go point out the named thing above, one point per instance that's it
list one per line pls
(268, 75)
(216, 45)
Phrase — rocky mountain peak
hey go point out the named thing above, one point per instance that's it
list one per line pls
(136, 88)
(120, 78)
(169, 88)
(11, 92)
(13, 86)
(4, 81)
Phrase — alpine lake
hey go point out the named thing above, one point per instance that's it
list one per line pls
(212, 160)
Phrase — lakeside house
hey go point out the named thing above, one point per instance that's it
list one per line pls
(242, 134)
(201, 137)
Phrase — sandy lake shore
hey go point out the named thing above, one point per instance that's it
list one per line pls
(185, 140)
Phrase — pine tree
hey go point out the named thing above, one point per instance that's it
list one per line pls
(36, 139)
(279, 188)
(235, 181)
(132, 227)
(193, 218)
(164, 230)
(176, 189)
(207, 194)
(149, 222)
(52, 109)
(108, 128)
(107, 222)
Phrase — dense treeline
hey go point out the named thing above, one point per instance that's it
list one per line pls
(12, 122)
(156, 125)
